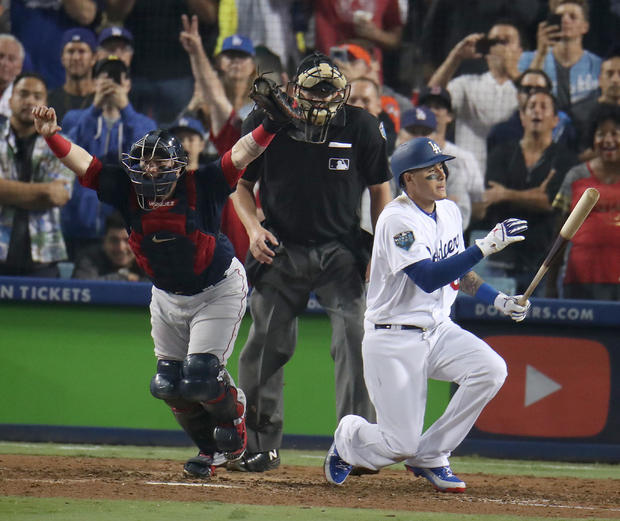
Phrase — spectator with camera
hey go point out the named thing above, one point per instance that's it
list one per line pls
(115, 41)
(77, 58)
(107, 129)
(559, 52)
(479, 101)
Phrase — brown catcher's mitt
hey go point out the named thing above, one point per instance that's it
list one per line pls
(276, 103)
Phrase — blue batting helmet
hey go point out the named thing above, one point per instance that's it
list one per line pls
(417, 153)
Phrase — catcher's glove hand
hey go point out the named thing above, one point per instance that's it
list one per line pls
(276, 103)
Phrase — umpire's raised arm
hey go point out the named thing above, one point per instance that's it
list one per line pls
(72, 156)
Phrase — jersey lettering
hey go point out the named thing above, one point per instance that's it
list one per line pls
(446, 250)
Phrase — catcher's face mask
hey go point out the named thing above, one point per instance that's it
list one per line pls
(320, 90)
(154, 164)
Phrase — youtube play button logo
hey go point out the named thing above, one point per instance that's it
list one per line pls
(556, 388)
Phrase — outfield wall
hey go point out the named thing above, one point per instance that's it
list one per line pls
(77, 359)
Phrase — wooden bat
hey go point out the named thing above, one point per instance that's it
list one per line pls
(582, 209)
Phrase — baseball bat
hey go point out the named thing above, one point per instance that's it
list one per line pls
(582, 209)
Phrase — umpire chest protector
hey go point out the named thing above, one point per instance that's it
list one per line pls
(311, 192)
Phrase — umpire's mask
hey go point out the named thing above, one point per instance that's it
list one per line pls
(321, 90)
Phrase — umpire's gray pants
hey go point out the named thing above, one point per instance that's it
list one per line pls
(279, 296)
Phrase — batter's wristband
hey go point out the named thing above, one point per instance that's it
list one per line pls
(59, 145)
(262, 136)
(487, 294)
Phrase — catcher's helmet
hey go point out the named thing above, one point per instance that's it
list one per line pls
(420, 152)
(321, 90)
(154, 184)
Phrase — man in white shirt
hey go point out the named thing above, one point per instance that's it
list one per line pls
(480, 101)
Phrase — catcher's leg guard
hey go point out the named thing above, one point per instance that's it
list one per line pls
(206, 381)
(192, 417)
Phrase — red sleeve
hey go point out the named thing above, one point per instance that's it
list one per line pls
(228, 136)
(231, 173)
(91, 178)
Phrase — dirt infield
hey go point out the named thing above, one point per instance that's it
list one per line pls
(112, 478)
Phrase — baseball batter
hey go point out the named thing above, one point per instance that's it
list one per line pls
(418, 264)
(199, 288)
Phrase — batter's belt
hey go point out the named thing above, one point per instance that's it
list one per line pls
(398, 327)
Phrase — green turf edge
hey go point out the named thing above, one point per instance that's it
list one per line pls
(62, 509)
(463, 464)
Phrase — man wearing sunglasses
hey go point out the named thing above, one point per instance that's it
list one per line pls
(528, 82)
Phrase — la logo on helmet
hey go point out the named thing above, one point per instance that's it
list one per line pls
(435, 147)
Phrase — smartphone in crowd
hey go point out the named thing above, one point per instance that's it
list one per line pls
(554, 19)
(483, 46)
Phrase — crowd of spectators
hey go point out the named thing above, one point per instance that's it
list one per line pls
(525, 95)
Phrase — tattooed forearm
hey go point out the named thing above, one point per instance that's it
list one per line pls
(470, 282)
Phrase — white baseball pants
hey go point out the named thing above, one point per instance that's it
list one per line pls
(397, 364)
(207, 322)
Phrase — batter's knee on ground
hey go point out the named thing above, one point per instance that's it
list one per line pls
(201, 379)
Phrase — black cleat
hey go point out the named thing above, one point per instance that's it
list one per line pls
(257, 462)
(200, 466)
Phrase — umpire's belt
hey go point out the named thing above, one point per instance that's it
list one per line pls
(397, 327)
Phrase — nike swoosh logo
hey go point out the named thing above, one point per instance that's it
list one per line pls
(157, 241)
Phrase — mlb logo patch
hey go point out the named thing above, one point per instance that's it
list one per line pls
(404, 240)
(338, 163)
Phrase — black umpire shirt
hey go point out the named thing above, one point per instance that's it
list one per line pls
(310, 193)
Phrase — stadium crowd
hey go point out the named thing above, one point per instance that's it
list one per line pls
(525, 95)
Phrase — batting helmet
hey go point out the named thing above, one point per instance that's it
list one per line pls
(420, 152)
(153, 188)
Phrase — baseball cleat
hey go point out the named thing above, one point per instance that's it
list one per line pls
(256, 462)
(440, 477)
(200, 466)
(232, 438)
(335, 468)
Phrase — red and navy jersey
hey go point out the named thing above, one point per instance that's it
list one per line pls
(178, 244)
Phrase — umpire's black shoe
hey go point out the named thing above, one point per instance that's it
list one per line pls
(200, 466)
(362, 471)
(256, 461)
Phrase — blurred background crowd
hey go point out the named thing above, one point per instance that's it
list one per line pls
(525, 94)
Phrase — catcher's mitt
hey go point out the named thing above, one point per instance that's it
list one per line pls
(276, 103)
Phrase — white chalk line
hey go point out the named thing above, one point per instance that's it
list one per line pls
(532, 503)
(180, 484)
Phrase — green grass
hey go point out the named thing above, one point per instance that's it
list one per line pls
(59, 509)
(463, 464)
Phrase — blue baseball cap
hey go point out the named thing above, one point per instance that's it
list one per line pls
(188, 124)
(115, 32)
(418, 117)
(79, 34)
(239, 43)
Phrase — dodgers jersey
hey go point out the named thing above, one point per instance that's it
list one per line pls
(404, 235)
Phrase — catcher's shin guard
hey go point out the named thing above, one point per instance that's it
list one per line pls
(231, 437)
